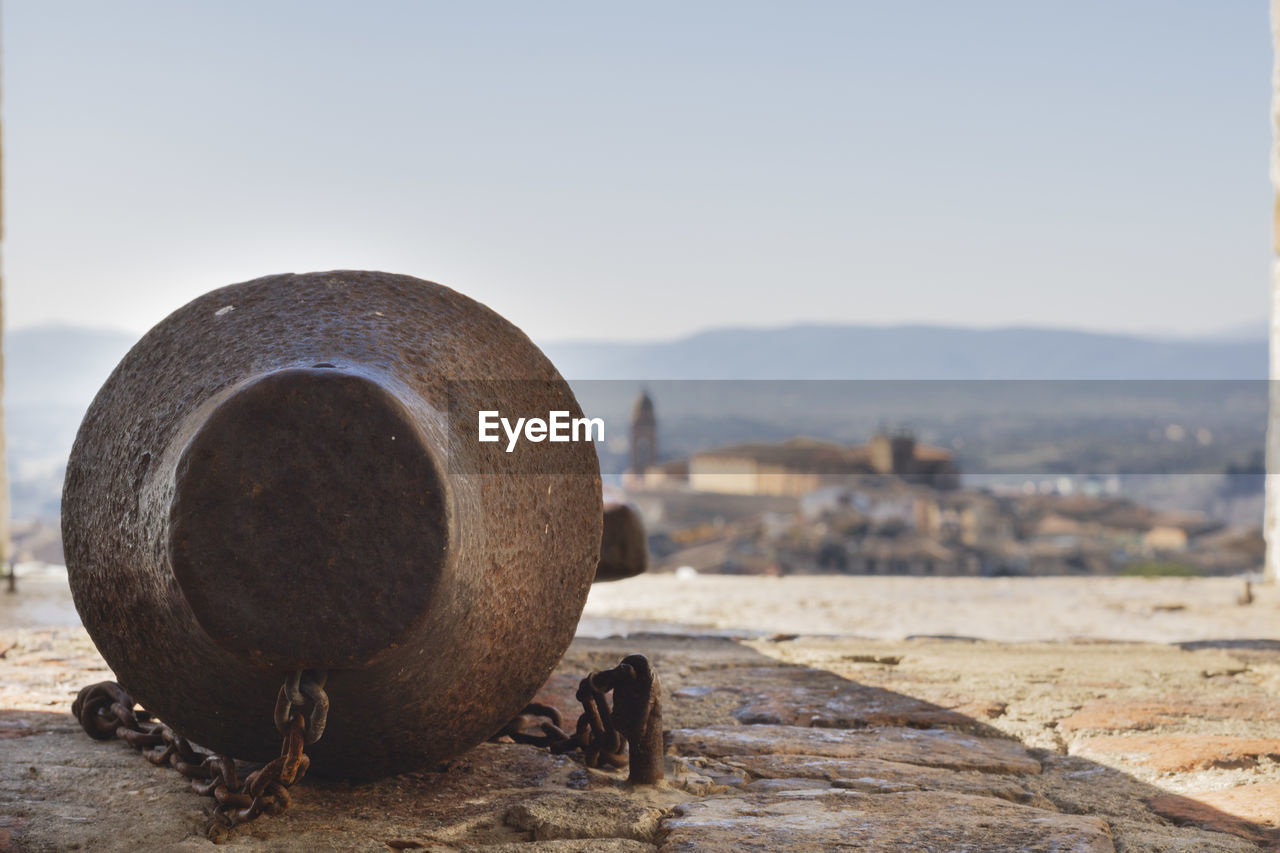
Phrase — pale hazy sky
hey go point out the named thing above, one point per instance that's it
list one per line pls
(633, 170)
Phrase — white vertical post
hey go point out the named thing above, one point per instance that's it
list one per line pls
(1272, 518)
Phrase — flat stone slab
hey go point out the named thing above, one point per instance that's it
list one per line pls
(874, 775)
(940, 748)
(1181, 753)
(902, 822)
(570, 816)
(592, 845)
(799, 697)
(921, 744)
(1141, 713)
(1251, 812)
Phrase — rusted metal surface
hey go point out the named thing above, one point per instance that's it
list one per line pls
(637, 714)
(627, 733)
(624, 548)
(314, 477)
(270, 481)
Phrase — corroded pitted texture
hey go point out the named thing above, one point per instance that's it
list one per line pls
(270, 480)
(316, 476)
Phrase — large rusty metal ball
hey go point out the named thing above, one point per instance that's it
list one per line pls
(284, 474)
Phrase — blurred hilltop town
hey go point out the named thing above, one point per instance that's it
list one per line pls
(1088, 416)
(895, 506)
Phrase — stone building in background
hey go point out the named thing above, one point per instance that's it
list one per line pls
(645, 472)
(792, 468)
(644, 435)
(898, 453)
(800, 465)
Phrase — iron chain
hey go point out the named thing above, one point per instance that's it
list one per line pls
(106, 711)
(626, 734)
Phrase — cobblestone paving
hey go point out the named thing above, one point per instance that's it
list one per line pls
(795, 743)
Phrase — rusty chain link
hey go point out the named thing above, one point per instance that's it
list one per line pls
(628, 734)
(106, 711)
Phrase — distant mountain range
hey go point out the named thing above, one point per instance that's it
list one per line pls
(51, 375)
(914, 352)
(65, 365)
(53, 372)
(60, 365)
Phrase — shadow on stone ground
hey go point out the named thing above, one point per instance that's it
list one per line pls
(803, 743)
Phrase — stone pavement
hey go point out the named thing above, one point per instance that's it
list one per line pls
(793, 743)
